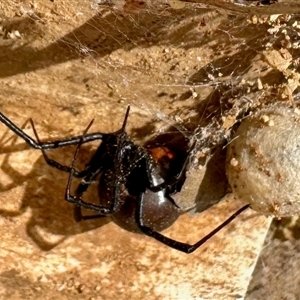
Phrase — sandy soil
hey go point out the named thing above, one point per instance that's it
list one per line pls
(186, 65)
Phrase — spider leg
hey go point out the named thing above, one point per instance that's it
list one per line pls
(79, 202)
(103, 211)
(171, 200)
(184, 247)
(50, 145)
(79, 217)
(83, 186)
(53, 163)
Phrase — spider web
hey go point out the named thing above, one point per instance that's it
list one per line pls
(190, 71)
(206, 97)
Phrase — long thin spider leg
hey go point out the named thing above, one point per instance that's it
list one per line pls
(53, 163)
(184, 247)
(91, 174)
(82, 187)
(50, 145)
(77, 200)
(125, 119)
(172, 200)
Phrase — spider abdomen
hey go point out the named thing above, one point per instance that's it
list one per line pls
(159, 212)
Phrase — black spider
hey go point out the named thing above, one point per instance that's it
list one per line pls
(122, 168)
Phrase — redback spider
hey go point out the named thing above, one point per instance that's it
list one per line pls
(122, 167)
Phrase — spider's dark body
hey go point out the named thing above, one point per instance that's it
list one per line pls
(134, 184)
(126, 173)
(159, 211)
